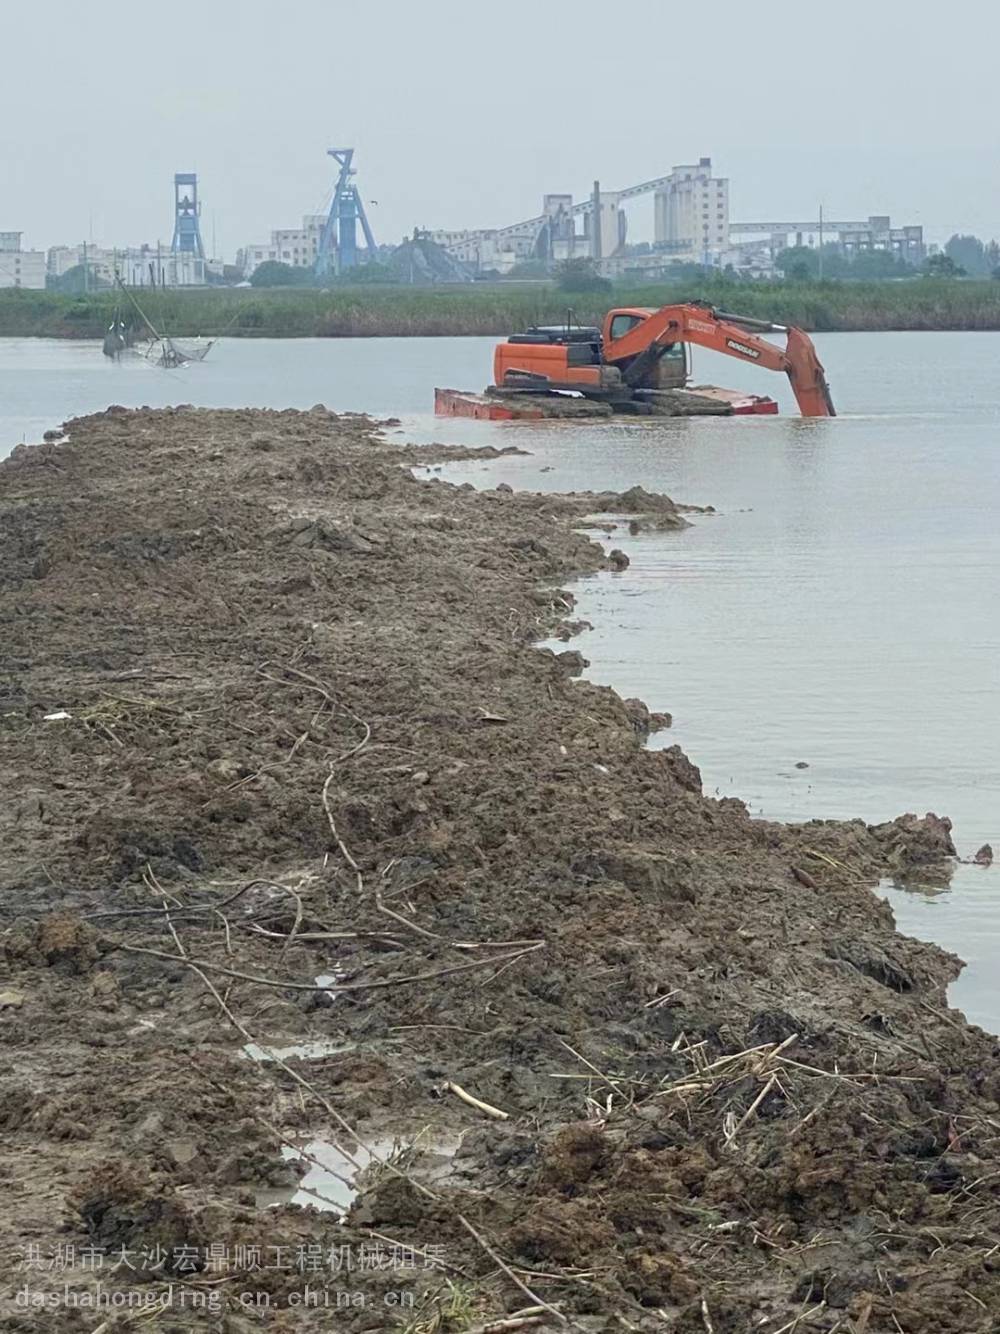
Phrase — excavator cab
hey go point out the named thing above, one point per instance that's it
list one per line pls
(671, 370)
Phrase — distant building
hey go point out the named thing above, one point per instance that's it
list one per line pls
(484, 251)
(297, 247)
(876, 233)
(155, 266)
(605, 227)
(649, 266)
(691, 226)
(100, 262)
(560, 220)
(137, 266)
(20, 268)
(551, 238)
(906, 243)
(691, 213)
(750, 259)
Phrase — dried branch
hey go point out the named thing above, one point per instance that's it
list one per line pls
(280, 985)
(451, 1087)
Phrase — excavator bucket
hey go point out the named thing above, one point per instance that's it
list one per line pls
(807, 377)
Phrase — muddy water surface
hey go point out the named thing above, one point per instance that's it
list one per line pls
(842, 610)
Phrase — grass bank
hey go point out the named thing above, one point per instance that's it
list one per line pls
(920, 304)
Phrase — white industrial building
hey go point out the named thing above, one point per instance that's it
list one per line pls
(101, 262)
(485, 250)
(155, 266)
(691, 213)
(873, 234)
(692, 225)
(288, 245)
(137, 266)
(20, 268)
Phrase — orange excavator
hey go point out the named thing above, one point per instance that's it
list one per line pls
(640, 352)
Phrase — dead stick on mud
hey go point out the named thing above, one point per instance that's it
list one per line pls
(183, 911)
(315, 684)
(866, 1314)
(731, 1137)
(279, 985)
(850, 1075)
(390, 912)
(359, 879)
(532, 1296)
(945, 1018)
(803, 1315)
(782, 1046)
(481, 1106)
(173, 931)
(382, 937)
(531, 1315)
(151, 882)
(590, 1066)
(706, 1318)
(345, 852)
(380, 903)
(820, 1106)
(299, 914)
(225, 923)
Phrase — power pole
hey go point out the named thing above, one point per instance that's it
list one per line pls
(86, 270)
(821, 242)
(596, 239)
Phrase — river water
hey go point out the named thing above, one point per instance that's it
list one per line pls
(841, 609)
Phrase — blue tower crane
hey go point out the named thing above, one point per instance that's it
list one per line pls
(187, 210)
(338, 246)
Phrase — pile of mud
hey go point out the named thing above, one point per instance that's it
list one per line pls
(282, 766)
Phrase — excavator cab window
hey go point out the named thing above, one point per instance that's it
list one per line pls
(623, 324)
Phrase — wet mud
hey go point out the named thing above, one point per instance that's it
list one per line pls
(305, 842)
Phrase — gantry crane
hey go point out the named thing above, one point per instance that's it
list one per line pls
(338, 246)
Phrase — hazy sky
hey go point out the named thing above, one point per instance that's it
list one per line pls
(464, 113)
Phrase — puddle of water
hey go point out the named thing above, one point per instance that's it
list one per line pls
(308, 1051)
(331, 1181)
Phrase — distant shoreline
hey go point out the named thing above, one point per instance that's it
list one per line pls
(917, 305)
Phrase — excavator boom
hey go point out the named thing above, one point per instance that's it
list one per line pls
(732, 335)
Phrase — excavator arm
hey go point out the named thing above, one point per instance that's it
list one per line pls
(733, 335)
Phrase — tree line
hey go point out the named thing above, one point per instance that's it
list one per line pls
(978, 259)
(962, 257)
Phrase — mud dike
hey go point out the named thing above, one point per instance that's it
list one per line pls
(321, 883)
